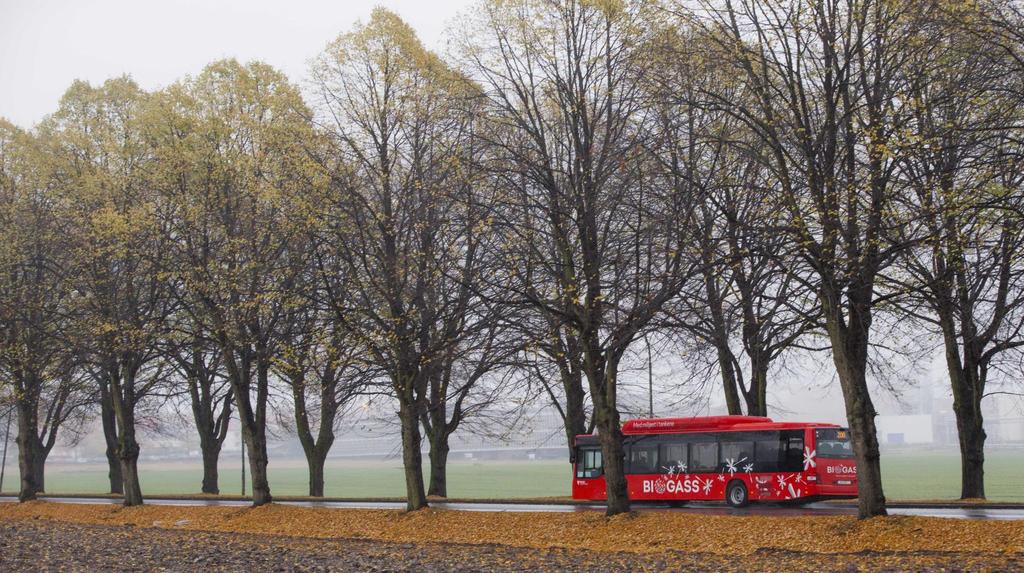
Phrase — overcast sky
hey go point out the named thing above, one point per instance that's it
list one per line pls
(46, 44)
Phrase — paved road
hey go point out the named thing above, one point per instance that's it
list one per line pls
(699, 508)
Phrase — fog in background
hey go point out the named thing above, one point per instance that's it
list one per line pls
(908, 395)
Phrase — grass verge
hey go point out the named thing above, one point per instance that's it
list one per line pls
(906, 475)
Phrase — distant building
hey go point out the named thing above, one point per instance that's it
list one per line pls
(903, 430)
(1004, 420)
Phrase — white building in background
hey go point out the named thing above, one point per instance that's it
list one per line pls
(905, 430)
(1004, 419)
(930, 420)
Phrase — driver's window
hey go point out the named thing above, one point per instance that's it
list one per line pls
(589, 464)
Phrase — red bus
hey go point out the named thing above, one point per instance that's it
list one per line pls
(738, 459)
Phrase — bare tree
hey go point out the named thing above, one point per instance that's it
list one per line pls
(962, 157)
(472, 328)
(747, 294)
(396, 167)
(564, 81)
(827, 86)
(324, 373)
(196, 359)
(467, 382)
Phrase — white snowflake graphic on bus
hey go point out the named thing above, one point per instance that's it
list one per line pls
(781, 480)
(792, 493)
(809, 459)
(731, 465)
(678, 468)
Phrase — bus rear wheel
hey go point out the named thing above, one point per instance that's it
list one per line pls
(736, 494)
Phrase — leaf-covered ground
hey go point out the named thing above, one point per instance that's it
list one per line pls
(30, 546)
(73, 536)
(641, 532)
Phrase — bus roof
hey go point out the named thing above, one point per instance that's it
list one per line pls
(710, 424)
(644, 426)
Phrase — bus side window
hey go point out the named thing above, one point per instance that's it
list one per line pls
(704, 457)
(768, 455)
(794, 455)
(737, 455)
(673, 459)
(643, 459)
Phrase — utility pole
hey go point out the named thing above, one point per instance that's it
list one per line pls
(7, 436)
(242, 432)
(650, 378)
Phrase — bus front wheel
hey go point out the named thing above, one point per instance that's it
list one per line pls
(736, 494)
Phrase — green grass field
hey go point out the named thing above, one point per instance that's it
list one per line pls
(907, 475)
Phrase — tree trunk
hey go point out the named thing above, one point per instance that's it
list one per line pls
(871, 498)
(252, 420)
(967, 382)
(31, 455)
(720, 334)
(315, 450)
(732, 396)
(575, 408)
(110, 436)
(211, 425)
(849, 353)
(412, 459)
(610, 436)
(757, 396)
(971, 434)
(603, 392)
(972, 456)
(439, 463)
(40, 468)
(30, 462)
(257, 445)
(316, 456)
(316, 460)
(128, 454)
(122, 393)
(211, 455)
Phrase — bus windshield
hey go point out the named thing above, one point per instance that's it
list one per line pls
(589, 463)
(833, 443)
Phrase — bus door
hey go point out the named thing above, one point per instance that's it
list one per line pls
(588, 482)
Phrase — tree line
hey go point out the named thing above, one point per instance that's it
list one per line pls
(748, 178)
